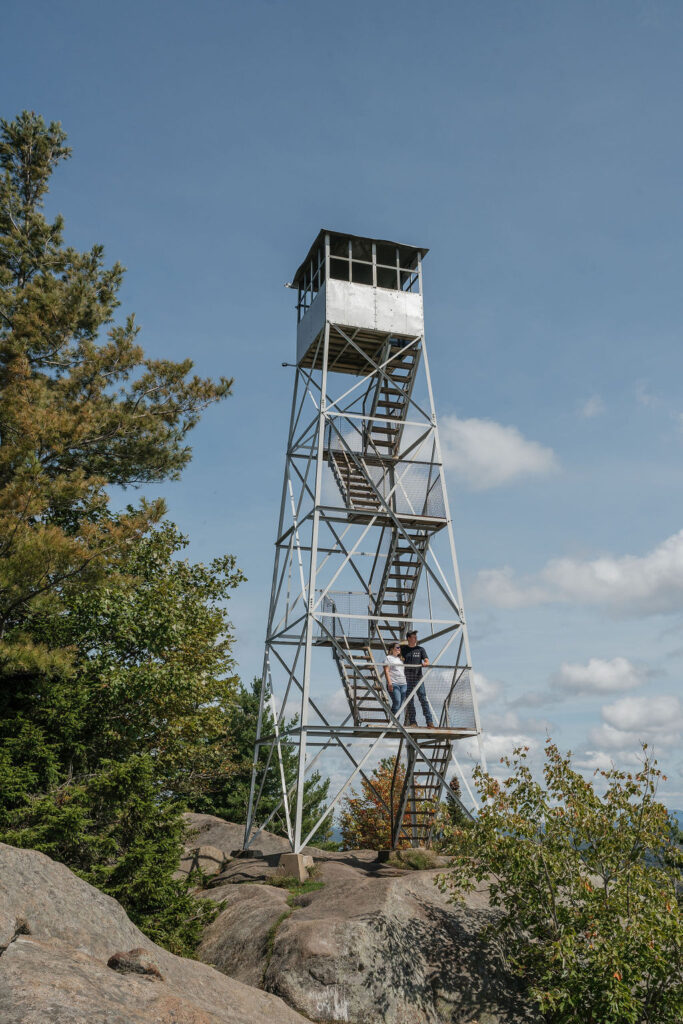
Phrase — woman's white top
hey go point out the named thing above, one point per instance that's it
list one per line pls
(397, 672)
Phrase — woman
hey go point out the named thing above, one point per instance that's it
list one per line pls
(396, 677)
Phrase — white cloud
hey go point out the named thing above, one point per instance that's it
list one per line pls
(592, 407)
(642, 585)
(631, 713)
(643, 395)
(487, 689)
(594, 760)
(500, 588)
(334, 706)
(487, 454)
(497, 745)
(598, 676)
(631, 721)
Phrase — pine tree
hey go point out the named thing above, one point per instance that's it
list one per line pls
(77, 413)
(229, 799)
(152, 672)
(116, 674)
(112, 828)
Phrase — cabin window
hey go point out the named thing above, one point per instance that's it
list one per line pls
(360, 261)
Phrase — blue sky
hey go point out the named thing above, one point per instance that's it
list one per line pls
(536, 149)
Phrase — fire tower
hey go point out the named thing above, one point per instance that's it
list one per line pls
(364, 548)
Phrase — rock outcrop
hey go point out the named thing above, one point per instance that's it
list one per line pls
(70, 955)
(208, 830)
(378, 944)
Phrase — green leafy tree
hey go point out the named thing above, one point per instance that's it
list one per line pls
(115, 667)
(365, 821)
(229, 797)
(589, 916)
(77, 413)
(151, 671)
(112, 829)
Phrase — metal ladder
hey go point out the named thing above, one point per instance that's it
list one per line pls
(389, 398)
(419, 799)
(399, 582)
(362, 684)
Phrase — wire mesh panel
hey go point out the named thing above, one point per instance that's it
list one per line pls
(339, 609)
(461, 707)
(411, 488)
(454, 713)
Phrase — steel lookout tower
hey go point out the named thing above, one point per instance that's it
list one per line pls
(364, 552)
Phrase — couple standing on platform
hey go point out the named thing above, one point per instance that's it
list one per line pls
(403, 672)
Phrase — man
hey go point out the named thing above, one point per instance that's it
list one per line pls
(415, 657)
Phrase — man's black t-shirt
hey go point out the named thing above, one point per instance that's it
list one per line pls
(413, 658)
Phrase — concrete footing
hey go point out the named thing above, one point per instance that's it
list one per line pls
(295, 865)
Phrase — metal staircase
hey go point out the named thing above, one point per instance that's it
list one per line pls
(362, 682)
(363, 478)
(400, 580)
(357, 491)
(388, 400)
(419, 799)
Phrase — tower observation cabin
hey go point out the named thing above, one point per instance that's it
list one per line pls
(372, 287)
(364, 550)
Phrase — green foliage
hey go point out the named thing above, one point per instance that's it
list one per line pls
(365, 820)
(589, 912)
(295, 888)
(414, 859)
(672, 854)
(139, 721)
(229, 796)
(76, 413)
(116, 675)
(114, 831)
(449, 815)
(149, 673)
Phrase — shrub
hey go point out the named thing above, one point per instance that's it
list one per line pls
(585, 886)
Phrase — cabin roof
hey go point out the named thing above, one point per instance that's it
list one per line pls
(409, 250)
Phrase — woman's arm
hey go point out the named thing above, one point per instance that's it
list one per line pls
(389, 683)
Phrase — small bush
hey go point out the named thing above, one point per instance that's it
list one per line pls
(415, 860)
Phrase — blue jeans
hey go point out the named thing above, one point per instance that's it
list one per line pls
(417, 688)
(398, 695)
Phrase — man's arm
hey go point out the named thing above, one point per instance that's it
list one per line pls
(425, 660)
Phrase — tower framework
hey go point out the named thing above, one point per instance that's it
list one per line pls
(364, 551)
